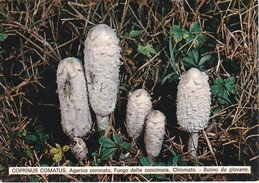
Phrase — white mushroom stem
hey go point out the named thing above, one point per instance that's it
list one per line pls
(193, 144)
(103, 123)
(193, 105)
(102, 65)
(75, 114)
(139, 105)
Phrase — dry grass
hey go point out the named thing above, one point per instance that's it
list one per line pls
(41, 33)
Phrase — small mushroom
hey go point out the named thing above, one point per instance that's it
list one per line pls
(79, 149)
(102, 65)
(139, 104)
(154, 133)
(193, 105)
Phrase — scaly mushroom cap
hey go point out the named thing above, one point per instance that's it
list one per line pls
(102, 64)
(139, 104)
(79, 149)
(193, 101)
(154, 133)
(72, 92)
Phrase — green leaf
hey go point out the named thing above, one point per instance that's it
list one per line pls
(106, 142)
(146, 50)
(3, 37)
(202, 39)
(31, 139)
(135, 33)
(54, 150)
(65, 148)
(188, 62)
(177, 33)
(58, 146)
(229, 84)
(107, 153)
(175, 159)
(204, 59)
(194, 55)
(126, 145)
(144, 161)
(28, 154)
(172, 54)
(22, 132)
(39, 132)
(57, 157)
(221, 88)
(195, 28)
(117, 138)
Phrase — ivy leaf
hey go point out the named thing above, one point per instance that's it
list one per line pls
(144, 161)
(106, 142)
(117, 138)
(146, 50)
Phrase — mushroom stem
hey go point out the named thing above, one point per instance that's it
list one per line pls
(193, 144)
(103, 123)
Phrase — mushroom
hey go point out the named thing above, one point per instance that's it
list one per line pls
(139, 104)
(75, 114)
(79, 149)
(154, 133)
(102, 65)
(71, 87)
(193, 105)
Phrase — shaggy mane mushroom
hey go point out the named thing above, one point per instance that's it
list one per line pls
(193, 105)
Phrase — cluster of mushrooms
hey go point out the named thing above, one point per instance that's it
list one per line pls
(98, 81)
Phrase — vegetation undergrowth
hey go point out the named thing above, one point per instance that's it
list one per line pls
(160, 40)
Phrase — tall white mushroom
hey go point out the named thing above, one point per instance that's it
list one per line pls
(102, 64)
(193, 105)
(154, 133)
(139, 104)
(71, 87)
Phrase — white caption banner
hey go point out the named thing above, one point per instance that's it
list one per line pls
(131, 170)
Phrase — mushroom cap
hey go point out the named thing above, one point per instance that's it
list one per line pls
(101, 32)
(154, 132)
(139, 104)
(70, 67)
(193, 100)
(102, 66)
